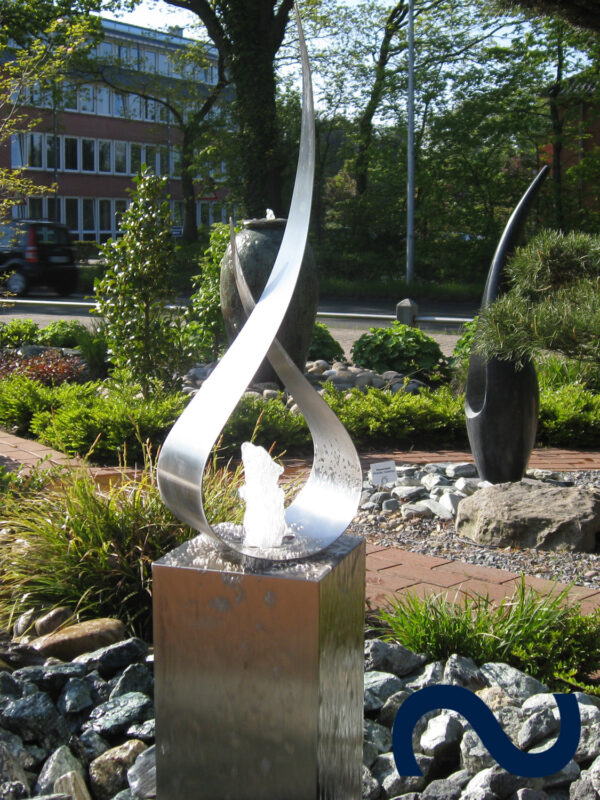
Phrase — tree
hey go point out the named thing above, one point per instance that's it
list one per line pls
(584, 13)
(44, 44)
(189, 102)
(247, 35)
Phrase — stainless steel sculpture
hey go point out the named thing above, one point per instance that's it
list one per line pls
(501, 401)
(327, 503)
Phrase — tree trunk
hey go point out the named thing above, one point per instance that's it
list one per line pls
(190, 229)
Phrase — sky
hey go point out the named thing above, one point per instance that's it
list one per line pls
(156, 15)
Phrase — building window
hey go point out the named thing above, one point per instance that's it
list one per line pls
(119, 105)
(120, 208)
(104, 157)
(151, 158)
(54, 208)
(163, 161)
(105, 50)
(121, 157)
(34, 151)
(136, 159)
(163, 64)
(53, 152)
(88, 218)
(69, 96)
(71, 154)
(176, 162)
(135, 106)
(149, 60)
(86, 99)
(103, 100)
(72, 214)
(123, 54)
(150, 108)
(104, 218)
(88, 155)
(36, 207)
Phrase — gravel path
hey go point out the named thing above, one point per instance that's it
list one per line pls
(436, 538)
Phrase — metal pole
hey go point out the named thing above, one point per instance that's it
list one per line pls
(410, 150)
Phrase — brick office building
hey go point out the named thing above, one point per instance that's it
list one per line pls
(93, 139)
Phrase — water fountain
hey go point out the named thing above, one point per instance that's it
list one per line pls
(258, 628)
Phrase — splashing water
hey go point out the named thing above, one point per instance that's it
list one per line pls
(264, 520)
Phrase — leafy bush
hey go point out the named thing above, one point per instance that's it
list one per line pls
(18, 332)
(132, 296)
(569, 416)
(50, 367)
(205, 324)
(93, 346)
(400, 348)
(20, 399)
(462, 349)
(62, 333)
(541, 634)
(323, 345)
(92, 549)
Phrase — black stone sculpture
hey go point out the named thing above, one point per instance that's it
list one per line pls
(257, 246)
(501, 402)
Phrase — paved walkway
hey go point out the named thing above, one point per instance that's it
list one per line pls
(391, 571)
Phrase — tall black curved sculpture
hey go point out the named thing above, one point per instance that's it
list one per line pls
(501, 402)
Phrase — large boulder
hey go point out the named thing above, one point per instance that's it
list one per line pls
(531, 514)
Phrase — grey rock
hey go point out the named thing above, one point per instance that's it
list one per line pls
(108, 772)
(418, 509)
(566, 775)
(388, 711)
(13, 790)
(145, 731)
(124, 795)
(450, 501)
(369, 754)
(380, 497)
(378, 735)
(115, 716)
(467, 485)
(441, 738)
(390, 505)
(525, 515)
(73, 785)
(135, 678)
(514, 682)
(100, 688)
(31, 717)
(109, 660)
(23, 623)
(474, 757)
(9, 687)
(431, 480)
(391, 657)
(381, 685)
(75, 696)
(594, 772)
(384, 770)
(93, 744)
(15, 747)
(437, 509)
(371, 790)
(462, 777)
(414, 387)
(530, 794)
(10, 767)
(142, 775)
(494, 780)
(583, 789)
(58, 764)
(407, 494)
(51, 677)
(589, 743)
(53, 620)
(462, 469)
(511, 719)
(463, 671)
(442, 789)
(429, 675)
(537, 728)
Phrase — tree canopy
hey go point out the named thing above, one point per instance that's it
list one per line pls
(585, 13)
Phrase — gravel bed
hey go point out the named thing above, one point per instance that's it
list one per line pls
(437, 538)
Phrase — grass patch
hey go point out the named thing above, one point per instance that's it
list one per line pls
(68, 542)
(543, 635)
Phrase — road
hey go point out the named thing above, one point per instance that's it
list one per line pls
(345, 331)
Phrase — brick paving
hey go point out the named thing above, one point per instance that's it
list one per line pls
(391, 571)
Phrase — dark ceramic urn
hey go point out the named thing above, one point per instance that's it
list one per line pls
(257, 245)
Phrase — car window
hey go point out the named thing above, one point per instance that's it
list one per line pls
(51, 234)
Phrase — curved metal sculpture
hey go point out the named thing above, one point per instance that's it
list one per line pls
(325, 506)
(501, 402)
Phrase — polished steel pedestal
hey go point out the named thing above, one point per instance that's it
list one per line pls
(259, 675)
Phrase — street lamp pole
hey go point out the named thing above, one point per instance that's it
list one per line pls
(410, 150)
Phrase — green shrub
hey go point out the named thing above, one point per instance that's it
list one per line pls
(205, 324)
(133, 295)
(541, 634)
(18, 332)
(77, 545)
(50, 367)
(85, 250)
(62, 333)
(93, 346)
(462, 349)
(20, 399)
(569, 416)
(401, 348)
(323, 345)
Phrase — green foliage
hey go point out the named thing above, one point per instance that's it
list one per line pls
(544, 635)
(323, 345)
(91, 548)
(569, 416)
(50, 367)
(20, 399)
(402, 348)
(18, 332)
(206, 327)
(462, 349)
(553, 303)
(62, 333)
(132, 296)
(93, 346)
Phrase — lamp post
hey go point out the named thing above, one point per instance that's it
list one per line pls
(410, 150)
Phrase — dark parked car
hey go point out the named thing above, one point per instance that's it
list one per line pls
(37, 252)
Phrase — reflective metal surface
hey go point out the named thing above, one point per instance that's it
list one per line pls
(326, 505)
(259, 675)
